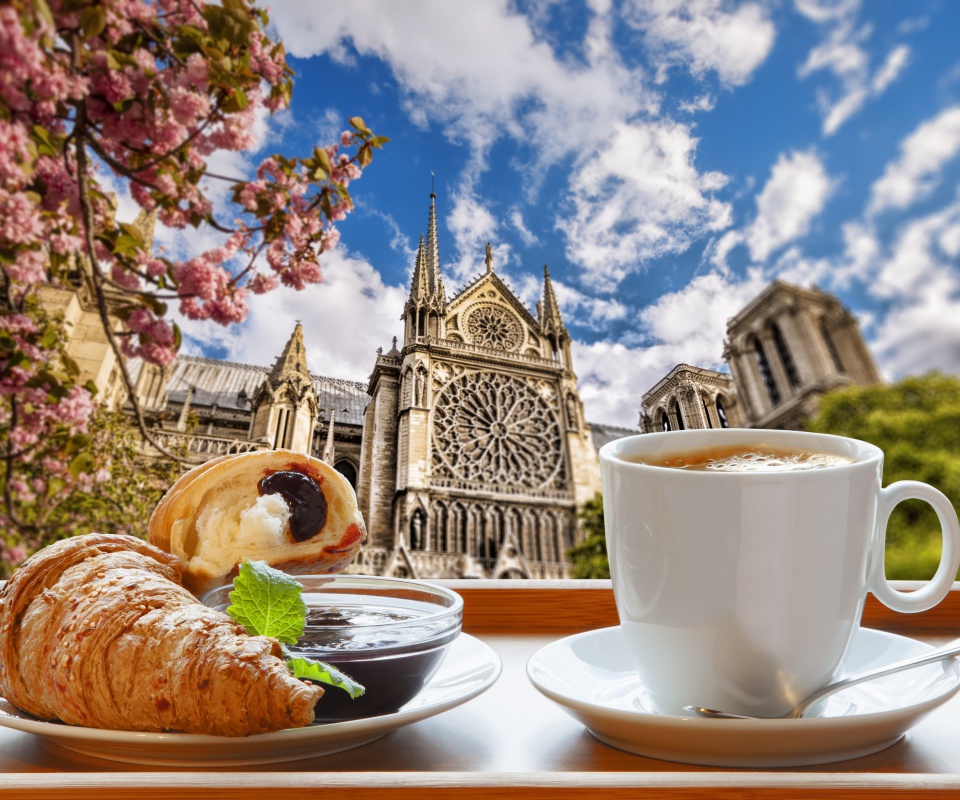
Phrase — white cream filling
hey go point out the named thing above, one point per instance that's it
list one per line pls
(226, 537)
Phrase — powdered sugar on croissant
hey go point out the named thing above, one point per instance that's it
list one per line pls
(96, 631)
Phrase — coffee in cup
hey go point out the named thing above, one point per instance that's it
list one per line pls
(741, 588)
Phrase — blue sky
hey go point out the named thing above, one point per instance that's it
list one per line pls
(666, 158)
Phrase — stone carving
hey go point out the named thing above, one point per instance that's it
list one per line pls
(494, 326)
(494, 429)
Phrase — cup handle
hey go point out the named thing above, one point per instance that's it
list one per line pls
(941, 583)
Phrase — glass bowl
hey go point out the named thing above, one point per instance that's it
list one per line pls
(389, 634)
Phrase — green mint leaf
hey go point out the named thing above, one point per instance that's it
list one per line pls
(324, 673)
(267, 602)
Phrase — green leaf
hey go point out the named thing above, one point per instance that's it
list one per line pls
(127, 245)
(360, 126)
(237, 101)
(71, 366)
(325, 673)
(84, 462)
(43, 10)
(93, 21)
(267, 602)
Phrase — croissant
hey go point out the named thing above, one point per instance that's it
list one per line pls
(96, 630)
(289, 509)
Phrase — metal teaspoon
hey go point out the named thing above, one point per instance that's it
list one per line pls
(939, 654)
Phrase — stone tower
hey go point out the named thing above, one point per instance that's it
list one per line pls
(285, 405)
(787, 348)
(475, 452)
(691, 397)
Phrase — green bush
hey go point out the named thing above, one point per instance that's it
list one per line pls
(916, 422)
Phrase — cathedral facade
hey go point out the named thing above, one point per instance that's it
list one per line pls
(478, 453)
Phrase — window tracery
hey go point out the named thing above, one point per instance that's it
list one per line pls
(495, 429)
(493, 326)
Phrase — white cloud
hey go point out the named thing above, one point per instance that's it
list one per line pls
(706, 102)
(688, 326)
(441, 54)
(705, 36)
(639, 198)
(691, 324)
(795, 193)
(526, 235)
(827, 10)
(922, 156)
(472, 226)
(916, 278)
(923, 334)
(586, 310)
(842, 53)
(923, 248)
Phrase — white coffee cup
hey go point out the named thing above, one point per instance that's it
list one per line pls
(742, 590)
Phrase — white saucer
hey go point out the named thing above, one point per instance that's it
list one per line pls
(469, 668)
(591, 676)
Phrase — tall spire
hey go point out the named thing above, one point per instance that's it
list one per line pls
(293, 359)
(328, 449)
(426, 288)
(550, 320)
(432, 254)
(419, 290)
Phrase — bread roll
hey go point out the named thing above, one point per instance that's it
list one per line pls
(291, 510)
(95, 631)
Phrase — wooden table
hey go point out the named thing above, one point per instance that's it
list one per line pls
(512, 741)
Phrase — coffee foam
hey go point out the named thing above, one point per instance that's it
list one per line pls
(779, 462)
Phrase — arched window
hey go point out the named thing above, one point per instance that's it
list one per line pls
(678, 415)
(348, 471)
(721, 414)
(785, 358)
(664, 421)
(438, 527)
(764, 365)
(458, 525)
(831, 346)
(548, 538)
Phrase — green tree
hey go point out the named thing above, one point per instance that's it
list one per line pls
(590, 556)
(916, 422)
(118, 496)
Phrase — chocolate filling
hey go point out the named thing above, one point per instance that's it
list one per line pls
(308, 506)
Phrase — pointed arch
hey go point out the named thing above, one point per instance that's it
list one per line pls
(438, 527)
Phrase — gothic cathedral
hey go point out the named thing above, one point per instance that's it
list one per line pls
(475, 452)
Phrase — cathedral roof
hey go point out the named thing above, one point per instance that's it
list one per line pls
(231, 386)
(601, 434)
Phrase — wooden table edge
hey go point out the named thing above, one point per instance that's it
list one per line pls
(361, 786)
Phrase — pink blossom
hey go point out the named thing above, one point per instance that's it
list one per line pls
(261, 284)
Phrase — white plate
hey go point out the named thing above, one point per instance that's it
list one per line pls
(469, 668)
(591, 676)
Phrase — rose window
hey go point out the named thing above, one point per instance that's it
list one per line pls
(493, 326)
(495, 429)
